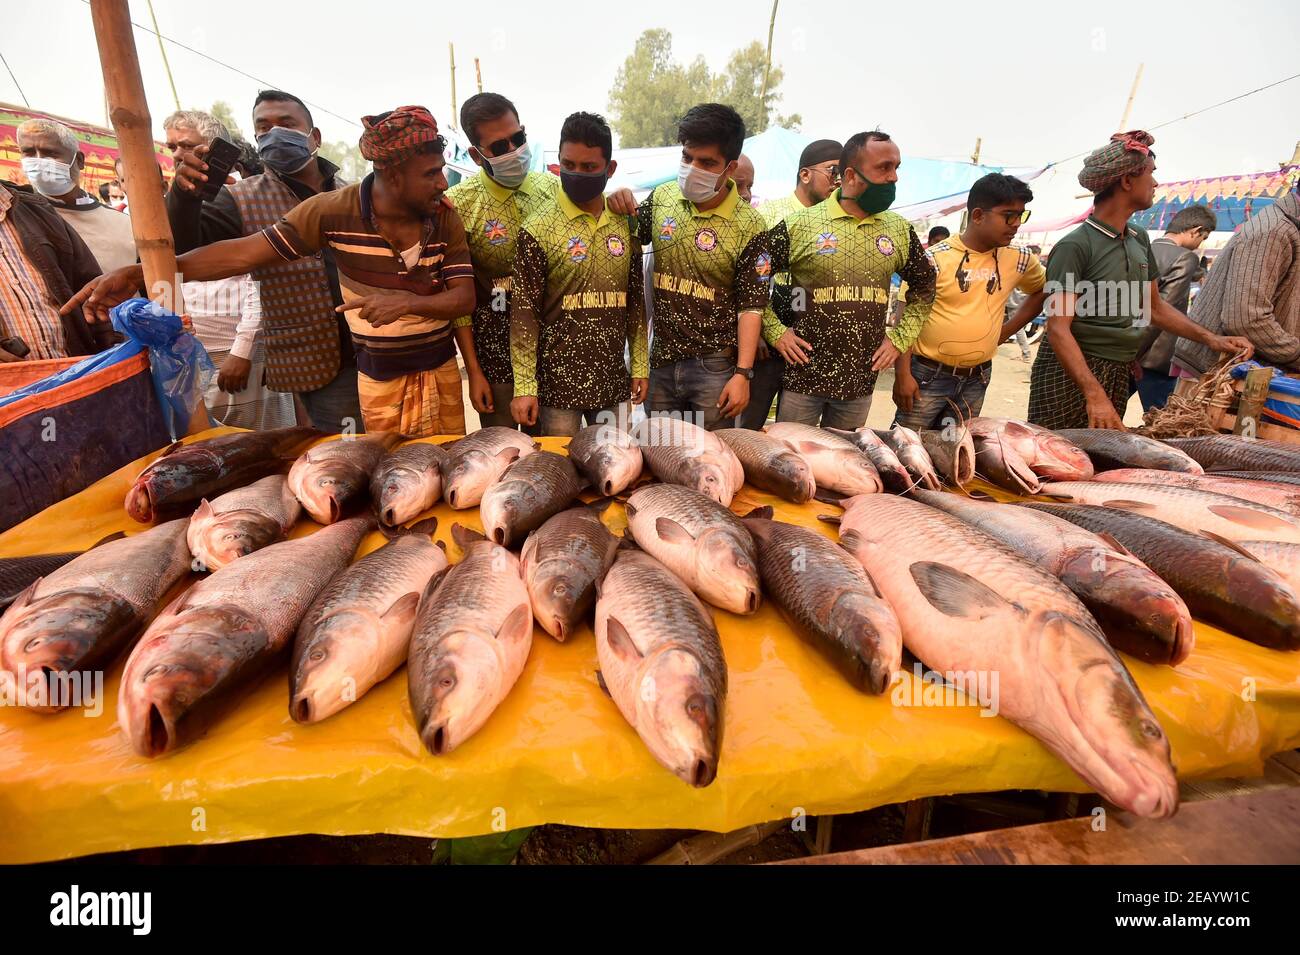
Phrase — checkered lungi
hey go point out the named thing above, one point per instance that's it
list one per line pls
(1055, 401)
(419, 404)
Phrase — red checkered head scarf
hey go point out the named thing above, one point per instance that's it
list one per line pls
(392, 137)
(1125, 155)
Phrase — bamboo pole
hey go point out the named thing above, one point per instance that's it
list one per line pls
(451, 51)
(708, 847)
(975, 156)
(478, 74)
(163, 50)
(767, 67)
(129, 113)
(1132, 93)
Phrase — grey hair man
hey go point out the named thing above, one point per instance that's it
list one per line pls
(53, 162)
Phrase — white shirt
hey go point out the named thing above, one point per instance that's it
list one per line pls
(227, 313)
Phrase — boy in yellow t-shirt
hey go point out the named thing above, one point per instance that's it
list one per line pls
(976, 273)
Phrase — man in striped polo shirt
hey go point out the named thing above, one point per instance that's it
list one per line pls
(403, 267)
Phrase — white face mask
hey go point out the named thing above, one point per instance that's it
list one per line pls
(48, 176)
(510, 169)
(696, 184)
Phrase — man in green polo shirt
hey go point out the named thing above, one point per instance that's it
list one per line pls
(493, 205)
(840, 255)
(1103, 295)
(710, 281)
(576, 299)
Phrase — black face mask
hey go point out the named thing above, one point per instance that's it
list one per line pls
(583, 186)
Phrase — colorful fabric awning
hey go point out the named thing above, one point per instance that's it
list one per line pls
(1234, 199)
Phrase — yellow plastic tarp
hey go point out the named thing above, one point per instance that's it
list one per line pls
(797, 739)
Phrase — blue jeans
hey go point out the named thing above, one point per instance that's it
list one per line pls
(765, 386)
(335, 406)
(566, 422)
(847, 415)
(691, 388)
(937, 388)
(502, 394)
(1154, 388)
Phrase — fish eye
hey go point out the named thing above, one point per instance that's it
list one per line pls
(1150, 730)
(316, 655)
(447, 682)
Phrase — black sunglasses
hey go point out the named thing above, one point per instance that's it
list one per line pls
(502, 146)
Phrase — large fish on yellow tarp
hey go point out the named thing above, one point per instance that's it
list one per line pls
(969, 604)
(332, 476)
(84, 614)
(210, 644)
(185, 474)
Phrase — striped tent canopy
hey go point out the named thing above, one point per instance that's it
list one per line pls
(1234, 199)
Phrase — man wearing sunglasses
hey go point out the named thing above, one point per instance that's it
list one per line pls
(818, 175)
(976, 273)
(493, 206)
(840, 255)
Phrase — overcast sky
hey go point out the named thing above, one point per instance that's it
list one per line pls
(1038, 82)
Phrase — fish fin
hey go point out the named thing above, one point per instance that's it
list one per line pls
(604, 687)
(442, 544)
(827, 496)
(1121, 504)
(620, 641)
(25, 595)
(630, 509)
(428, 527)
(852, 541)
(1247, 517)
(518, 625)
(670, 532)
(392, 533)
(402, 613)
(765, 512)
(510, 454)
(829, 518)
(204, 511)
(1110, 539)
(956, 593)
(601, 504)
(115, 536)
(806, 447)
(174, 446)
(464, 536)
(530, 545)
(978, 495)
(1232, 545)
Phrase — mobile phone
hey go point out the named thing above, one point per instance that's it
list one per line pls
(15, 346)
(221, 158)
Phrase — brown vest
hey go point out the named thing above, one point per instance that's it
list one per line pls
(300, 328)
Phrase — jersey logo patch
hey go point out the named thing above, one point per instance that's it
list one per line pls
(667, 229)
(615, 245)
(763, 266)
(495, 232)
(706, 240)
(577, 249)
(827, 243)
(884, 245)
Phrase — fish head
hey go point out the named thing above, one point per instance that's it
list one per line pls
(709, 478)
(140, 500)
(727, 566)
(457, 688)
(616, 465)
(559, 597)
(795, 475)
(1267, 595)
(1114, 742)
(325, 487)
(179, 673)
(1057, 459)
(332, 664)
(70, 630)
(226, 537)
(400, 493)
(856, 470)
(467, 479)
(679, 714)
(1125, 594)
(872, 630)
(503, 504)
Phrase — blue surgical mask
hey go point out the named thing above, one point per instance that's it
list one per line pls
(510, 169)
(48, 176)
(287, 151)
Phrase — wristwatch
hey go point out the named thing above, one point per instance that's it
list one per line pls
(748, 373)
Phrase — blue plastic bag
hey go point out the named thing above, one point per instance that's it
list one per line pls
(179, 363)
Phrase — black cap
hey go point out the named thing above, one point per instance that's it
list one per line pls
(820, 151)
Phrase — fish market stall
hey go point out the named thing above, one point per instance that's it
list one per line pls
(797, 737)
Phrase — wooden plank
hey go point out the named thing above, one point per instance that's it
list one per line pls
(1253, 396)
(1262, 828)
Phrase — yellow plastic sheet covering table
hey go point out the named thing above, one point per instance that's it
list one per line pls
(797, 738)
